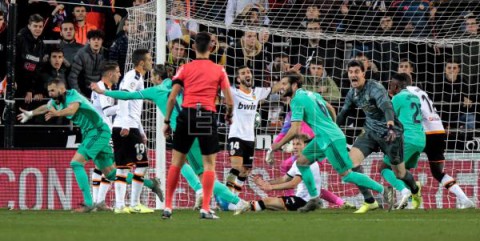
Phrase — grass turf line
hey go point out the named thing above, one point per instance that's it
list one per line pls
(448, 224)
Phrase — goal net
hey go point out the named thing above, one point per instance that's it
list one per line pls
(436, 42)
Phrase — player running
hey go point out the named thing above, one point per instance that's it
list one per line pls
(382, 129)
(95, 135)
(407, 109)
(329, 140)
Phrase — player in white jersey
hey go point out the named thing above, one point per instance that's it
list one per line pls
(107, 108)
(241, 137)
(435, 146)
(129, 140)
(293, 179)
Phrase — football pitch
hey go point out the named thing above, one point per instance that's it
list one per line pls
(325, 225)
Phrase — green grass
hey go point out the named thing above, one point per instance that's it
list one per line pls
(324, 225)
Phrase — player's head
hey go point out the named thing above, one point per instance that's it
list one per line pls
(399, 82)
(202, 43)
(291, 82)
(159, 73)
(111, 72)
(244, 76)
(299, 142)
(356, 73)
(56, 90)
(142, 58)
(405, 66)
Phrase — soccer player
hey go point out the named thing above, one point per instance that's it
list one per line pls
(129, 139)
(200, 80)
(329, 140)
(435, 145)
(291, 180)
(407, 109)
(107, 108)
(241, 136)
(95, 135)
(382, 129)
(159, 95)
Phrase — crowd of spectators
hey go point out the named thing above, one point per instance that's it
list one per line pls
(71, 39)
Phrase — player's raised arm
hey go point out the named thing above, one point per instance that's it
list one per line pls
(27, 115)
(347, 106)
(225, 87)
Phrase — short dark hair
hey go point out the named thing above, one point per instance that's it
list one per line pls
(1, 13)
(303, 137)
(160, 70)
(139, 55)
(95, 34)
(452, 61)
(35, 18)
(237, 70)
(67, 21)
(403, 79)
(56, 81)
(317, 61)
(202, 42)
(294, 77)
(179, 41)
(55, 49)
(78, 6)
(356, 63)
(108, 66)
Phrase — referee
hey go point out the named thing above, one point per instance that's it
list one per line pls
(200, 80)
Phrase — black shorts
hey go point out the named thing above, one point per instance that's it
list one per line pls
(367, 142)
(435, 147)
(293, 203)
(192, 124)
(240, 148)
(129, 150)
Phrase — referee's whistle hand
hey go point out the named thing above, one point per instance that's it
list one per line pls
(167, 130)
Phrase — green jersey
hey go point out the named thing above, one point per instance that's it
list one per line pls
(407, 108)
(312, 108)
(86, 117)
(158, 94)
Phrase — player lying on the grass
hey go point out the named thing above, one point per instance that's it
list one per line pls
(407, 109)
(287, 163)
(329, 140)
(290, 180)
(241, 135)
(382, 129)
(435, 141)
(95, 136)
(159, 95)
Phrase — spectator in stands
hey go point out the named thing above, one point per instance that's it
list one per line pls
(86, 67)
(218, 53)
(3, 45)
(415, 15)
(248, 52)
(180, 28)
(58, 16)
(457, 105)
(386, 26)
(236, 7)
(30, 52)
(407, 67)
(97, 12)
(177, 54)
(469, 52)
(312, 13)
(318, 81)
(68, 42)
(119, 48)
(371, 70)
(54, 69)
(279, 65)
(82, 27)
(252, 15)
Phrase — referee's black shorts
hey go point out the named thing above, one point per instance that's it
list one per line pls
(193, 124)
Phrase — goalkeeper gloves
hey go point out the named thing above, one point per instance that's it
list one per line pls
(25, 116)
(269, 157)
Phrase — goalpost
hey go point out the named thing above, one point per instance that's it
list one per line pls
(273, 38)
